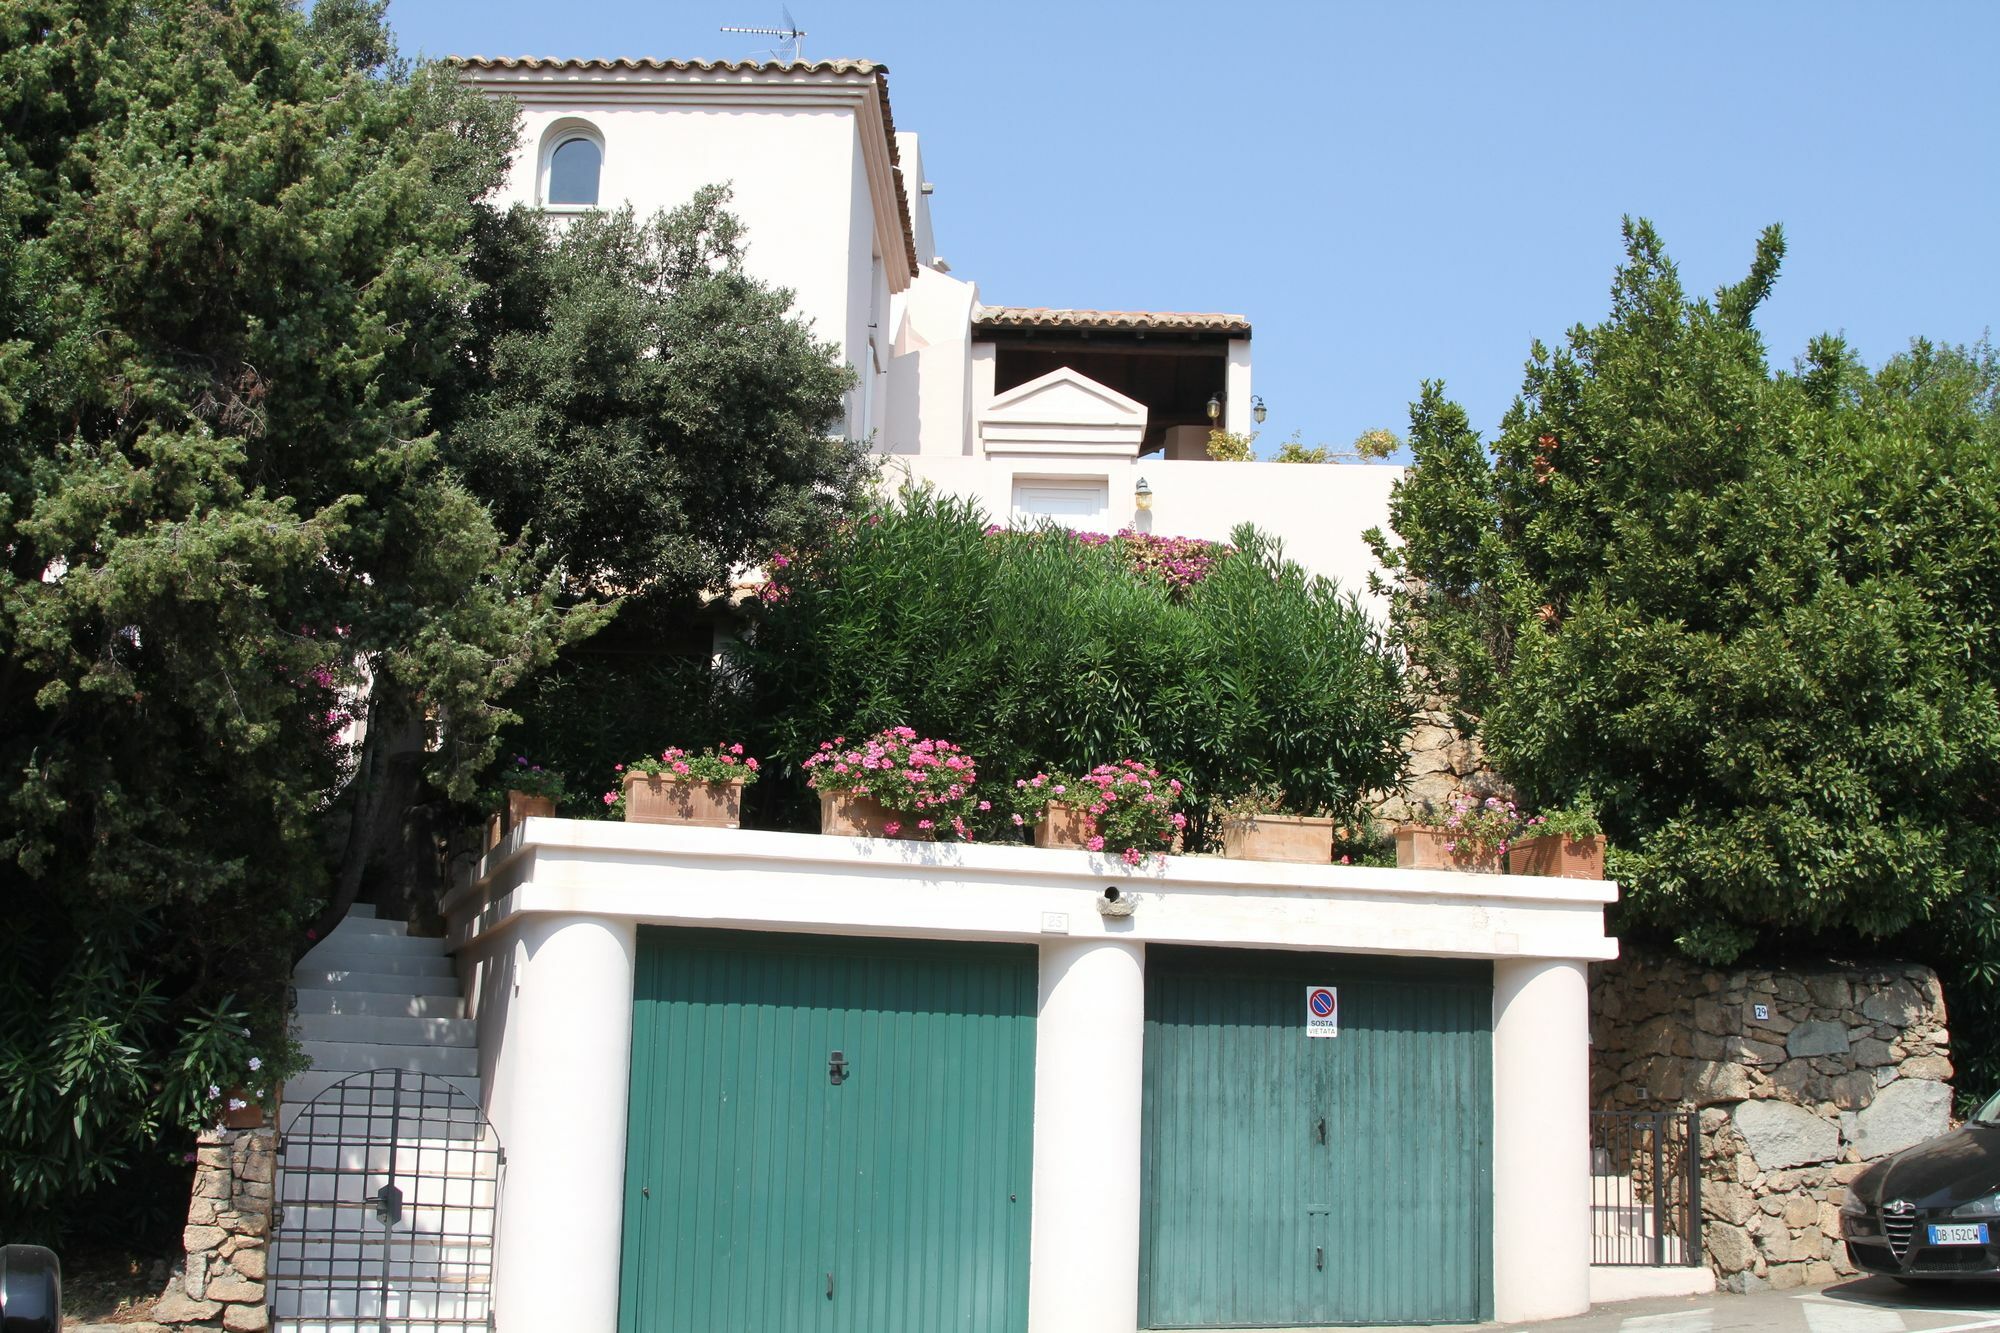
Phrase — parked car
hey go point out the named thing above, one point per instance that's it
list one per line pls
(1931, 1213)
(30, 1290)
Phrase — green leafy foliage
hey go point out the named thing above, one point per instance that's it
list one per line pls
(643, 407)
(1051, 653)
(1750, 612)
(296, 427)
(229, 267)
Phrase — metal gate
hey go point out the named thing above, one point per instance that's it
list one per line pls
(1645, 1188)
(389, 1185)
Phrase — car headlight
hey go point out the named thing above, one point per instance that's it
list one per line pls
(1984, 1206)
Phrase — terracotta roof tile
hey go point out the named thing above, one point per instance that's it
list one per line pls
(651, 64)
(1127, 321)
(684, 66)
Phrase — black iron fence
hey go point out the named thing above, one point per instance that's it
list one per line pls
(1645, 1187)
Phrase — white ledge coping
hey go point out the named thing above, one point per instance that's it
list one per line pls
(757, 879)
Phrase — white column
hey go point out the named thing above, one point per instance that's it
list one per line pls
(1083, 1272)
(566, 1058)
(1236, 415)
(1541, 1139)
(985, 367)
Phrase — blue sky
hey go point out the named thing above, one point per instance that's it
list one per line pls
(1396, 192)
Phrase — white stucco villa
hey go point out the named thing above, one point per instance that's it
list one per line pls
(752, 1080)
(1098, 419)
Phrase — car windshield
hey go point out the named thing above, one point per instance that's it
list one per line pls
(1989, 1114)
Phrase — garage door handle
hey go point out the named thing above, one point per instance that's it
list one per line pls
(1319, 1257)
(1319, 1130)
(829, 1286)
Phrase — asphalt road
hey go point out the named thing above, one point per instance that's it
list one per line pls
(1863, 1305)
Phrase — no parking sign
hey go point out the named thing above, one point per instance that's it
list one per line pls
(1322, 1011)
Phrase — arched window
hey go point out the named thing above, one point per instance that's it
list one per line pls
(576, 160)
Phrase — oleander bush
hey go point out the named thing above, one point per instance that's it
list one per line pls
(1058, 652)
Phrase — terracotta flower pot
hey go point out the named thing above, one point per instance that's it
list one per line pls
(1302, 838)
(1420, 847)
(656, 798)
(849, 815)
(522, 806)
(1559, 855)
(1062, 826)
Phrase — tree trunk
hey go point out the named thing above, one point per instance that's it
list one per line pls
(386, 784)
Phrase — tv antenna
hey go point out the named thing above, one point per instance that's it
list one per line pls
(791, 33)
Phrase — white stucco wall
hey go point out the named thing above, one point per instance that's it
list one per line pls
(555, 911)
(910, 152)
(797, 155)
(930, 377)
(1318, 510)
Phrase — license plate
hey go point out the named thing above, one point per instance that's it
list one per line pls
(1966, 1233)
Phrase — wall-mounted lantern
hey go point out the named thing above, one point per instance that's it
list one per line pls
(1257, 407)
(1142, 495)
(1215, 407)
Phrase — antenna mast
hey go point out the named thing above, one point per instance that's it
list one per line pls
(791, 33)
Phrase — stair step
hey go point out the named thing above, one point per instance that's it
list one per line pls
(354, 1056)
(457, 1124)
(370, 981)
(380, 946)
(355, 960)
(300, 1089)
(386, 1031)
(366, 911)
(342, 980)
(352, 1184)
(367, 925)
(378, 1004)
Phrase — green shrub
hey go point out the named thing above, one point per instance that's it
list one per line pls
(1044, 652)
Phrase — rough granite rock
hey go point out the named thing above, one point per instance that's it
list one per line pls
(176, 1307)
(1818, 1038)
(1729, 1246)
(1783, 1135)
(246, 1319)
(1903, 1114)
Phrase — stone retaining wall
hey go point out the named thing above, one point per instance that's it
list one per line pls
(1803, 1076)
(220, 1284)
(1439, 762)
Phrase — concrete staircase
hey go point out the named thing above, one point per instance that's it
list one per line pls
(375, 1007)
(371, 997)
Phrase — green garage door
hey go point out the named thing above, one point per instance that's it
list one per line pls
(1295, 1180)
(774, 1186)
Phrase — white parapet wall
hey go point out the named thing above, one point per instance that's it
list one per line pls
(1320, 511)
(544, 936)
